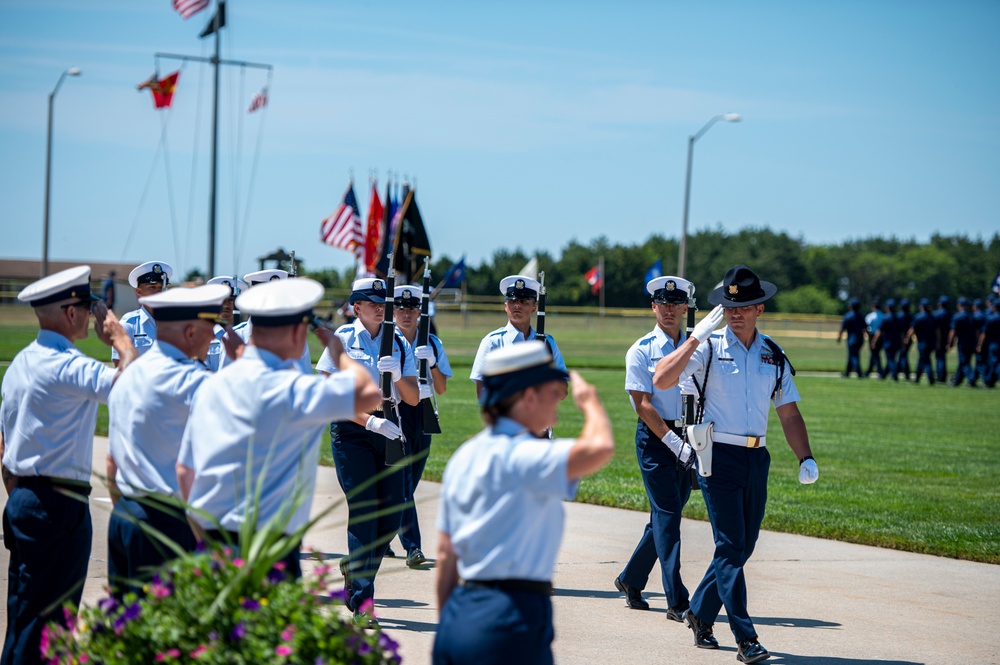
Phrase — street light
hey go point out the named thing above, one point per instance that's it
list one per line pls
(72, 71)
(682, 258)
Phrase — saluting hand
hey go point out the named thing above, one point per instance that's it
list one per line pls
(233, 343)
(706, 326)
(106, 325)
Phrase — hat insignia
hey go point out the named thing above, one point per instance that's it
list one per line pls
(733, 289)
(407, 294)
(519, 284)
(378, 285)
(671, 285)
(157, 268)
(274, 277)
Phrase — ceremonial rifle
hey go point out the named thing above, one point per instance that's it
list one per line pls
(688, 416)
(293, 270)
(395, 450)
(540, 327)
(432, 424)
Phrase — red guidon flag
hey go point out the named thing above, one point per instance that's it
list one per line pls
(162, 89)
(373, 230)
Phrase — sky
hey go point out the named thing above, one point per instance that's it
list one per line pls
(523, 124)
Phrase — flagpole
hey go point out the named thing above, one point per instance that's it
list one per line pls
(212, 207)
(600, 277)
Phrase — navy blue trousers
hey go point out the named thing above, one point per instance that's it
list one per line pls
(965, 370)
(924, 362)
(891, 368)
(992, 373)
(668, 490)
(853, 357)
(904, 362)
(941, 356)
(49, 536)
(373, 506)
(134, 555)
(484, 626)
(875, 360)
(409, 530)
(735, 495)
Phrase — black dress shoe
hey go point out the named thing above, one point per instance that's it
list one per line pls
(750, 651)
(704, 636)
(390, 554)
(633, 597)
(677, 613)
(415, 558)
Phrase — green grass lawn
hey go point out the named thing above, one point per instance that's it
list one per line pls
(901, 466)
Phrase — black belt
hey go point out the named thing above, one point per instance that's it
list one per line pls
(78, 486)
(531, 586)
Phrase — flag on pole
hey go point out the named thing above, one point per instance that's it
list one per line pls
(656, 270)
(162, 89)
(373, 229)
(387, 237)
(996, 284)
(259, 101)
(595, 279)
(411, 237)
(530, 268)
(455, 275)
(216, 23)
(342, 229)
(188, 8)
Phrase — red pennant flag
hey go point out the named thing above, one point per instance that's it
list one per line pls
(259, 101)
(373, 230)
(162, 89)
(595, 279)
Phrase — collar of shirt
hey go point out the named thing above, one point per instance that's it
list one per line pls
(269, 359)
(508, 427)
(663, 339)
(733, 340)
(513, 335)
(171, 351)
(54, 340)
(359, 330)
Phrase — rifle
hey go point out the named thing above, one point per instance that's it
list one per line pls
(688, 416)
(395, 450)
(293, 270)
(540, 328)
(432, 423)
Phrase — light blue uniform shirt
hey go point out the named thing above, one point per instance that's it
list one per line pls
(510, 335)
(640, 363)
(740, 382)
(364, 348)
(245, 330)
(265, 411)
(148, 410)
(49, 410)
(442, 357)
(501, 503)
(141, 329)
(216, 350)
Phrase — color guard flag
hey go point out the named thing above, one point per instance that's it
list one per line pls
(595, 279)
(342, 229)
(455, 275)
(216, 23)
(411, 237)
(656, 270)
(259, 101)
(373, 229)
(188, 8)
(996, 284)
(162, 89)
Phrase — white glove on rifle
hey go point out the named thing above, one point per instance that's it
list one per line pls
(678, 447)
(425, 352)
(425, 391)
(704, 329)
(383, 427)
(808, 471)
(390, 364)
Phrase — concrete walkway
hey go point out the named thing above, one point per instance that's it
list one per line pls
(814, 602)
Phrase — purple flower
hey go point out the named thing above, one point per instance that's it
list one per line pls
(340, 595)
(364, 648)
(240, 631)
(131, 612)
(388, 643)
(107, 605)
(251, 604)
(275, 575)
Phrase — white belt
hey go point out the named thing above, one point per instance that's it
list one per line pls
(742, 441)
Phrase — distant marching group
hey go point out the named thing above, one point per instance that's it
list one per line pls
(891, 328)
(197, 405)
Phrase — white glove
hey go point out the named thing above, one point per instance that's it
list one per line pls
(808, 471)
(425, 391)
(678, 447)
(390, 364)
(684, 458)
(704, 329)
(425, 352)
(383, 427)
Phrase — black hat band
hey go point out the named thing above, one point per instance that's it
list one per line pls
(498, 387)
(210, 313)
(81, 291)
(676, 296)
(265, 321)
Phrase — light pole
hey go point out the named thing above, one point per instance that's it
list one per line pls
(682, 254)
(72, 71)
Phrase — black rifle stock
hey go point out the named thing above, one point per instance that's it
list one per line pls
(395, 449)
(689, 417)
(428, 405)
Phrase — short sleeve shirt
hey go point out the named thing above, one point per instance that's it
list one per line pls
(141, 329)
(640, 363)
(510, 335)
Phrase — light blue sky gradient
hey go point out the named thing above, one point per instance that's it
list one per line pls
(525, 124)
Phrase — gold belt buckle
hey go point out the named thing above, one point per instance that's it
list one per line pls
(753, 442)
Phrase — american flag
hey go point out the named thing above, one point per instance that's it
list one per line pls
(342, 229)
(188, 8)
(259, 101)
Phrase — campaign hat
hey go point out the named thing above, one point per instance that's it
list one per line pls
(281, 302)
(520, 287)
(670, 289)
(199, 302)
(151, 272)
(63, 285)
(741, 287)
(511, 369)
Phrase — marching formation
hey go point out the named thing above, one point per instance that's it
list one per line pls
(891, 329)
(214, 434)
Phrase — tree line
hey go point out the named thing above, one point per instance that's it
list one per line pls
(816, 279)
